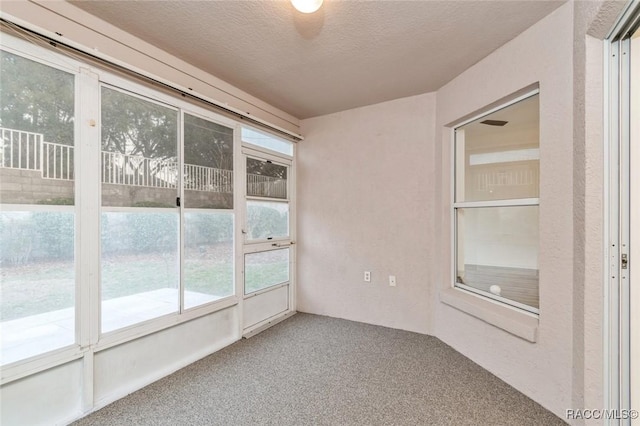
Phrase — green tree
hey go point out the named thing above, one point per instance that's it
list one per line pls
(36, 98)
(266, 168)
(134, 126)
(207, 144)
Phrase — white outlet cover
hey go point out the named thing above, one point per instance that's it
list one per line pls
(392, 280)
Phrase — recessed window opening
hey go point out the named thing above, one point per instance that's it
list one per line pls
(496, 200)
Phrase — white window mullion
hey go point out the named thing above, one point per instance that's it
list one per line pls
(180, 183)
(498, 203)
(87, 178)
(291, 190)
(239, 221)
(88, 208)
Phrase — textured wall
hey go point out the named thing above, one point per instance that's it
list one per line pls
(542, 370)
(365, 200)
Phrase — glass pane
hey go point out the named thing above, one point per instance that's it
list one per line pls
(497, 156)
(208, 273)
(140, 267)
(497, 251)
(208, 168)
(139, 152)
(36, 132)
(267, 219)
(265, 179)
(264, 269)
(37, 283)
(265, 140)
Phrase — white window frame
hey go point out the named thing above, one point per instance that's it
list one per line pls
(480, 204)
(88, 206)
(73, 351)
(114, 337)
(250, 150)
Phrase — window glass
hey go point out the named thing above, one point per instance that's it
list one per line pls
(497, 163)
(140, 250)
(208, 164)
(208, 184)
(498, 251)
(37, 261)
(37, 132)
(140, 267)
(265, 140)
(265, 269)
(208, 265)
(266, 179)
(497, 156)
(139, 152)
(267, 220)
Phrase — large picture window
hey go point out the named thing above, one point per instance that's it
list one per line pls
(37, 216)
(151, 196)
(140, 218)
(208, 219)
(496, 199)
(120, 212)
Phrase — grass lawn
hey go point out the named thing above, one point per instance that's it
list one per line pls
(44, 287)
(261, 276)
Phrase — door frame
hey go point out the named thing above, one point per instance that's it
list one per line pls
(620, 348)
(252, 151)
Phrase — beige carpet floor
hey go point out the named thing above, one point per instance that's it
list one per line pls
(314, 370)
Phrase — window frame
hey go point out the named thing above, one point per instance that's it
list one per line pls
(88, 81)
(455, 205)
(72, 351)
(132, 331)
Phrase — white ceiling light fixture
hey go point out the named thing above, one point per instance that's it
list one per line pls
(307, 6)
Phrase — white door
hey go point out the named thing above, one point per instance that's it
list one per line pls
(268, 251)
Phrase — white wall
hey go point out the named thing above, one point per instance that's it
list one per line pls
(542, 54)
(64, 393)
(51, 397)
(373, 194)
(365, 200)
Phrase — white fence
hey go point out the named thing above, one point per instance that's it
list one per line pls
(29, 151)
(266, 186)
(135, 170)
(56, 161)
(20, 150)
(199, 178)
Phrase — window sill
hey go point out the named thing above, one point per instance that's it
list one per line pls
(518, 323)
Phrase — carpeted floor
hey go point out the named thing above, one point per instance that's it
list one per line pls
(314, 370)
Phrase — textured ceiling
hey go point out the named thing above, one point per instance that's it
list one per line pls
(348, 54)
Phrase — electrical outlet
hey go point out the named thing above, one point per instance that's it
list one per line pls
(392, 280)
(367, 276)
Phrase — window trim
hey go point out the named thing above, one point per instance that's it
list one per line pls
(454, 206)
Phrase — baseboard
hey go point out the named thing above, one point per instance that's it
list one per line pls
(262, 326)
